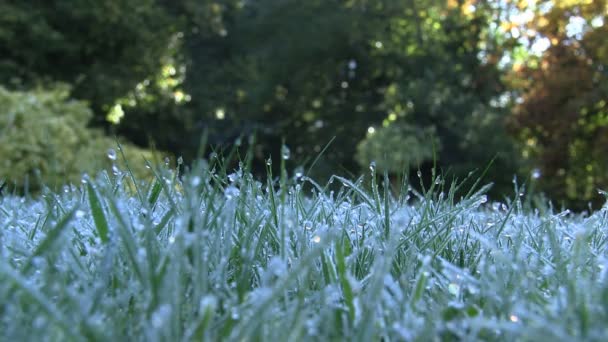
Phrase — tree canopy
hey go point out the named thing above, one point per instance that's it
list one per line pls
(399, 83)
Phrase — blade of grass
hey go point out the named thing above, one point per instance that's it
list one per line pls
(319, 155)
(51, 238)
(99, 217)
(47, 306)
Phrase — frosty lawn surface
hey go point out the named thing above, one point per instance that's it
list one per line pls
(224, 257)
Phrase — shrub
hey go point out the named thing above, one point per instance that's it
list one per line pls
(397, 148)
(44, 140)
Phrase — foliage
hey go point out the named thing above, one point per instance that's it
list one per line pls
(230, 259)
(101, 48)
(323, 69)
(165, 71)
(562, 120)
(397, 148)
(44, 140)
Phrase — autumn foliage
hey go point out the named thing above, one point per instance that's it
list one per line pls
(561, 117)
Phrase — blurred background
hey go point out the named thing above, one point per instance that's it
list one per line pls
(396, 82)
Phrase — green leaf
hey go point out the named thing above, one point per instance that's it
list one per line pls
(99, 217)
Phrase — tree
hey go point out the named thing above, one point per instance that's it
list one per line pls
(310, 71)
(102, 48)
(562, 118)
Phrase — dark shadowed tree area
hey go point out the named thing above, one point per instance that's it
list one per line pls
(398, 83)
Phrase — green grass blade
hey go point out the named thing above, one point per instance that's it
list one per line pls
(51, 238)
(48, 307)
(99, 217)
(157, 187)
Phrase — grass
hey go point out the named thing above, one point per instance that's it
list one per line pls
(218, 255)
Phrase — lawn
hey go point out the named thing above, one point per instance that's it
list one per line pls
(215, 254)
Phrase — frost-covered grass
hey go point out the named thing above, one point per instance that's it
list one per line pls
(221, 256)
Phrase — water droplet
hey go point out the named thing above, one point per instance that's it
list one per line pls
(234, 314)
(419, 174)
(437, 181)
(269, 161)
(454, 289)
(233, 177)
(142, 253)
(180, 160)
(231, 192)
(195, 181)
(167, 160)
(352, 64)
(536, 173)
(79, 214)
(483, 199)
(372, 167)
(160, 316)
(514, 318)
(307, 225)
(112, 154)
(299, 172)
(207, 303)
(85, 178)
(316, 239)
(115, 170)
(285, 152)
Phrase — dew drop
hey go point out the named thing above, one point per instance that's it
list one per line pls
(180, 160)
(269, 161)
(234, 314)
(454, 289)
(231, 192)
(160, 316)
(372, 166)
(419, 174)
(115, 170)
(112, 154)
(536, 174)
(285, 152)
(233, 177)
(299, 172)
(316, 239)
(195, 181)
(79, 214)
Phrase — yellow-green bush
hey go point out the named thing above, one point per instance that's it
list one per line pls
(44, 140)
(397, 148)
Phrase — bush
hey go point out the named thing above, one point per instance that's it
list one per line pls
(397, 148)
(44, 140)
